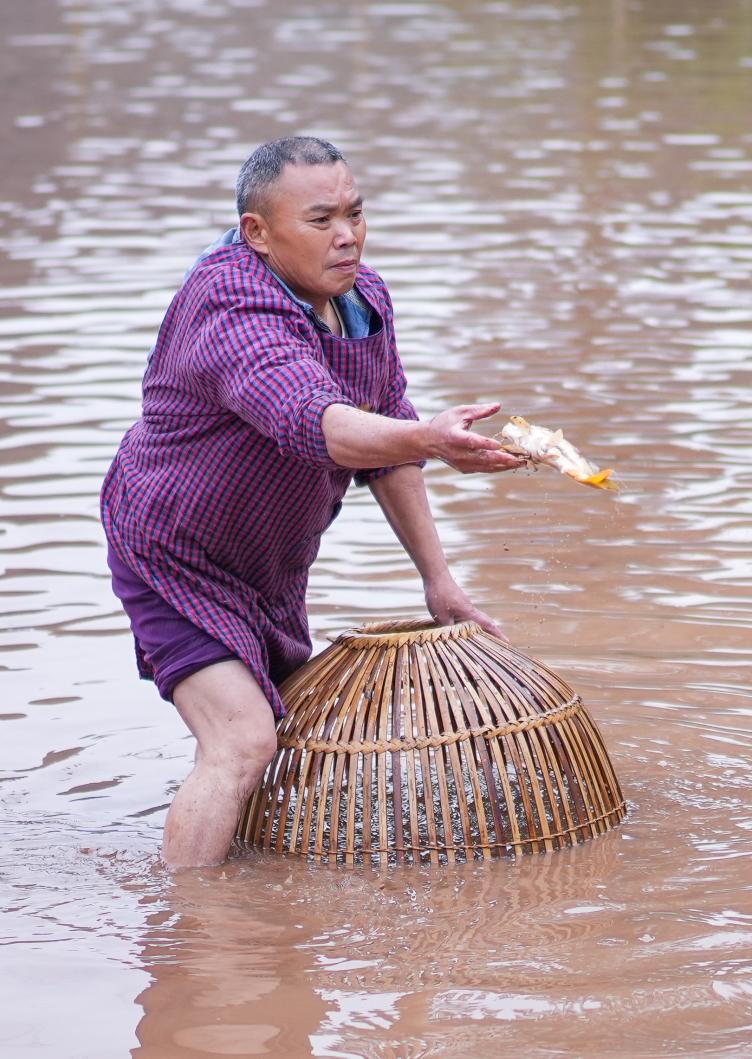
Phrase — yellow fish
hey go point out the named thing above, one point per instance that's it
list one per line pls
(541, 445)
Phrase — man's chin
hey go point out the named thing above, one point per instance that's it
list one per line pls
(334, 290)
(342, 277)
(346, 283)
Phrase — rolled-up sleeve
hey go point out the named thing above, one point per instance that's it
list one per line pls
(263, 372)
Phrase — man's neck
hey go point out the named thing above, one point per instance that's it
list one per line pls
(332, 318)
(317, 304)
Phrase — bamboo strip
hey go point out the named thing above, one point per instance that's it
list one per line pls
(400, 676)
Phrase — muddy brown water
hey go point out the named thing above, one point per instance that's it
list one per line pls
(560, 197)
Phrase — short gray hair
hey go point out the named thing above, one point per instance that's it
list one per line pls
(264, 167)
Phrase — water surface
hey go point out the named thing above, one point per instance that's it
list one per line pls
(560, 197)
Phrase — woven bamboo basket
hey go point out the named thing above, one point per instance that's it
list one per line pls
(409, 741)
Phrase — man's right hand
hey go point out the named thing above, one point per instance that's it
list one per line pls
(449, 438)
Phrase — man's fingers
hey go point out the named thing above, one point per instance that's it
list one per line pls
(477, 464)
(494, 629)
(481, 411)
(477, 442)
(471, 412)
(503, 461)
(487, 624)
(489, 456)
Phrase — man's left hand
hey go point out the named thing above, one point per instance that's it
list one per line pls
(448, 604)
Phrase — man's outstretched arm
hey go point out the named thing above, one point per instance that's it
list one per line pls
(402, 497)
(361, 440)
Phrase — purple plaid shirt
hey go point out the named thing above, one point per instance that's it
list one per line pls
(219, 494)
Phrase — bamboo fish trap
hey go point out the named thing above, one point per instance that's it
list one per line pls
(407, 741)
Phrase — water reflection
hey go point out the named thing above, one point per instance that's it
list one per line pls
(559, 198)
(381, 963)
(233, 952)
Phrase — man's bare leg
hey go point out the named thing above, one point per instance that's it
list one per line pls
(233, 723)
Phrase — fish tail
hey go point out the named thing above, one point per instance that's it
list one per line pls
(602, 480)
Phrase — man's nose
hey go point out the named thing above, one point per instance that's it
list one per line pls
(344, 234)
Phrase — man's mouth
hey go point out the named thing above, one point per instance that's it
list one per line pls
(346, 265)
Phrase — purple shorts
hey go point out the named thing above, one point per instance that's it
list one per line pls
(168, 646)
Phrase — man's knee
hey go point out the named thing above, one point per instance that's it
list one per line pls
(233, 722)
(249, 743)
(240, 757)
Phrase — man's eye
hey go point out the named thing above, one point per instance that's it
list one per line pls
(357, 214)
(320, 220)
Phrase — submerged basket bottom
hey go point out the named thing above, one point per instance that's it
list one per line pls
(442, 804)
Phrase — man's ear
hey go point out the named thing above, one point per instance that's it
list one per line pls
(255, 232)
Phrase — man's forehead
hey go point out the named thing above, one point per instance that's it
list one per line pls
(303, 187)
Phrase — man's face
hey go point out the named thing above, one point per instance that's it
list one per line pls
(311, 230)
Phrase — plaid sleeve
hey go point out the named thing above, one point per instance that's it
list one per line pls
(394, 403)
(265, 373)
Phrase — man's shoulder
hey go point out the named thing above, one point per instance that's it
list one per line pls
(236, 275)
(234, 261)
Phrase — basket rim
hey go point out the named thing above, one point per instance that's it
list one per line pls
(398, 631)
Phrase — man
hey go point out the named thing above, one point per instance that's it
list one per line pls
(275, 379)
